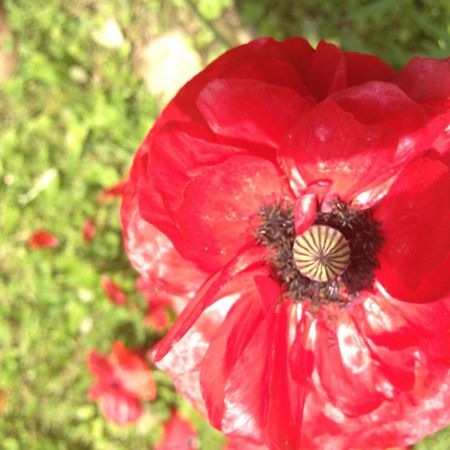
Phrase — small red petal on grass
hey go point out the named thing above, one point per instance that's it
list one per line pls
(89, 230)
(133, 370)
(179, 434)
(113, 291)
(114, 191)
(42, 239)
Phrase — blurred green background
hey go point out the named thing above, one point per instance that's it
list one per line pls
(81, 82)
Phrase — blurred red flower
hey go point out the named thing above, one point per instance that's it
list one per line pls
(298, 198)
(113, 291)
(179, 434)
(42, 239)
(114, 191)
(123, 381)
(89, 230)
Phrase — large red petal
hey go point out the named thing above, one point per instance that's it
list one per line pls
(269, 291)
(219, 204)
(332, 69)
(285, 398)
(359, 138)
(392, 342)
(375, 350)
(425, 79)
(327, 72)
(273, 70)
(185, 160)
(343, 355)
(398, 423)
(362, 68)
(165, 272)
(301, 357)
(224, 350)
(383, 323)
(179, 148)
(429, 322)
(245, 394)
(183, 349)
(262, 401)
(251, 111)
(141, 189)
(415, 221)
(247, 390)
(183, 360)
(407, 366)
(296, 51)
(228, 283)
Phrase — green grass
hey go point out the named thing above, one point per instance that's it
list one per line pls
(393, 30)
(70, 120)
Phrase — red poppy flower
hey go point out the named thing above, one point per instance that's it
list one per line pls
(42, 239)
(113, 291)
(89, 230)
(123, 381)
(306, 188)
(179, 434)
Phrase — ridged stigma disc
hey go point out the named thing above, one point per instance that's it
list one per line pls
(321, 253)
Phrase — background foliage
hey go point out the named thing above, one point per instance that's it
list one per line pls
(71, 118)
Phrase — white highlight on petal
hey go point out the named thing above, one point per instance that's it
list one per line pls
(322, 133)
(183, 361)
(382, 290)
(242, 419)
(376, 317)
(334, 413)
(405, 146)
(354, 353)
(386, 388)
